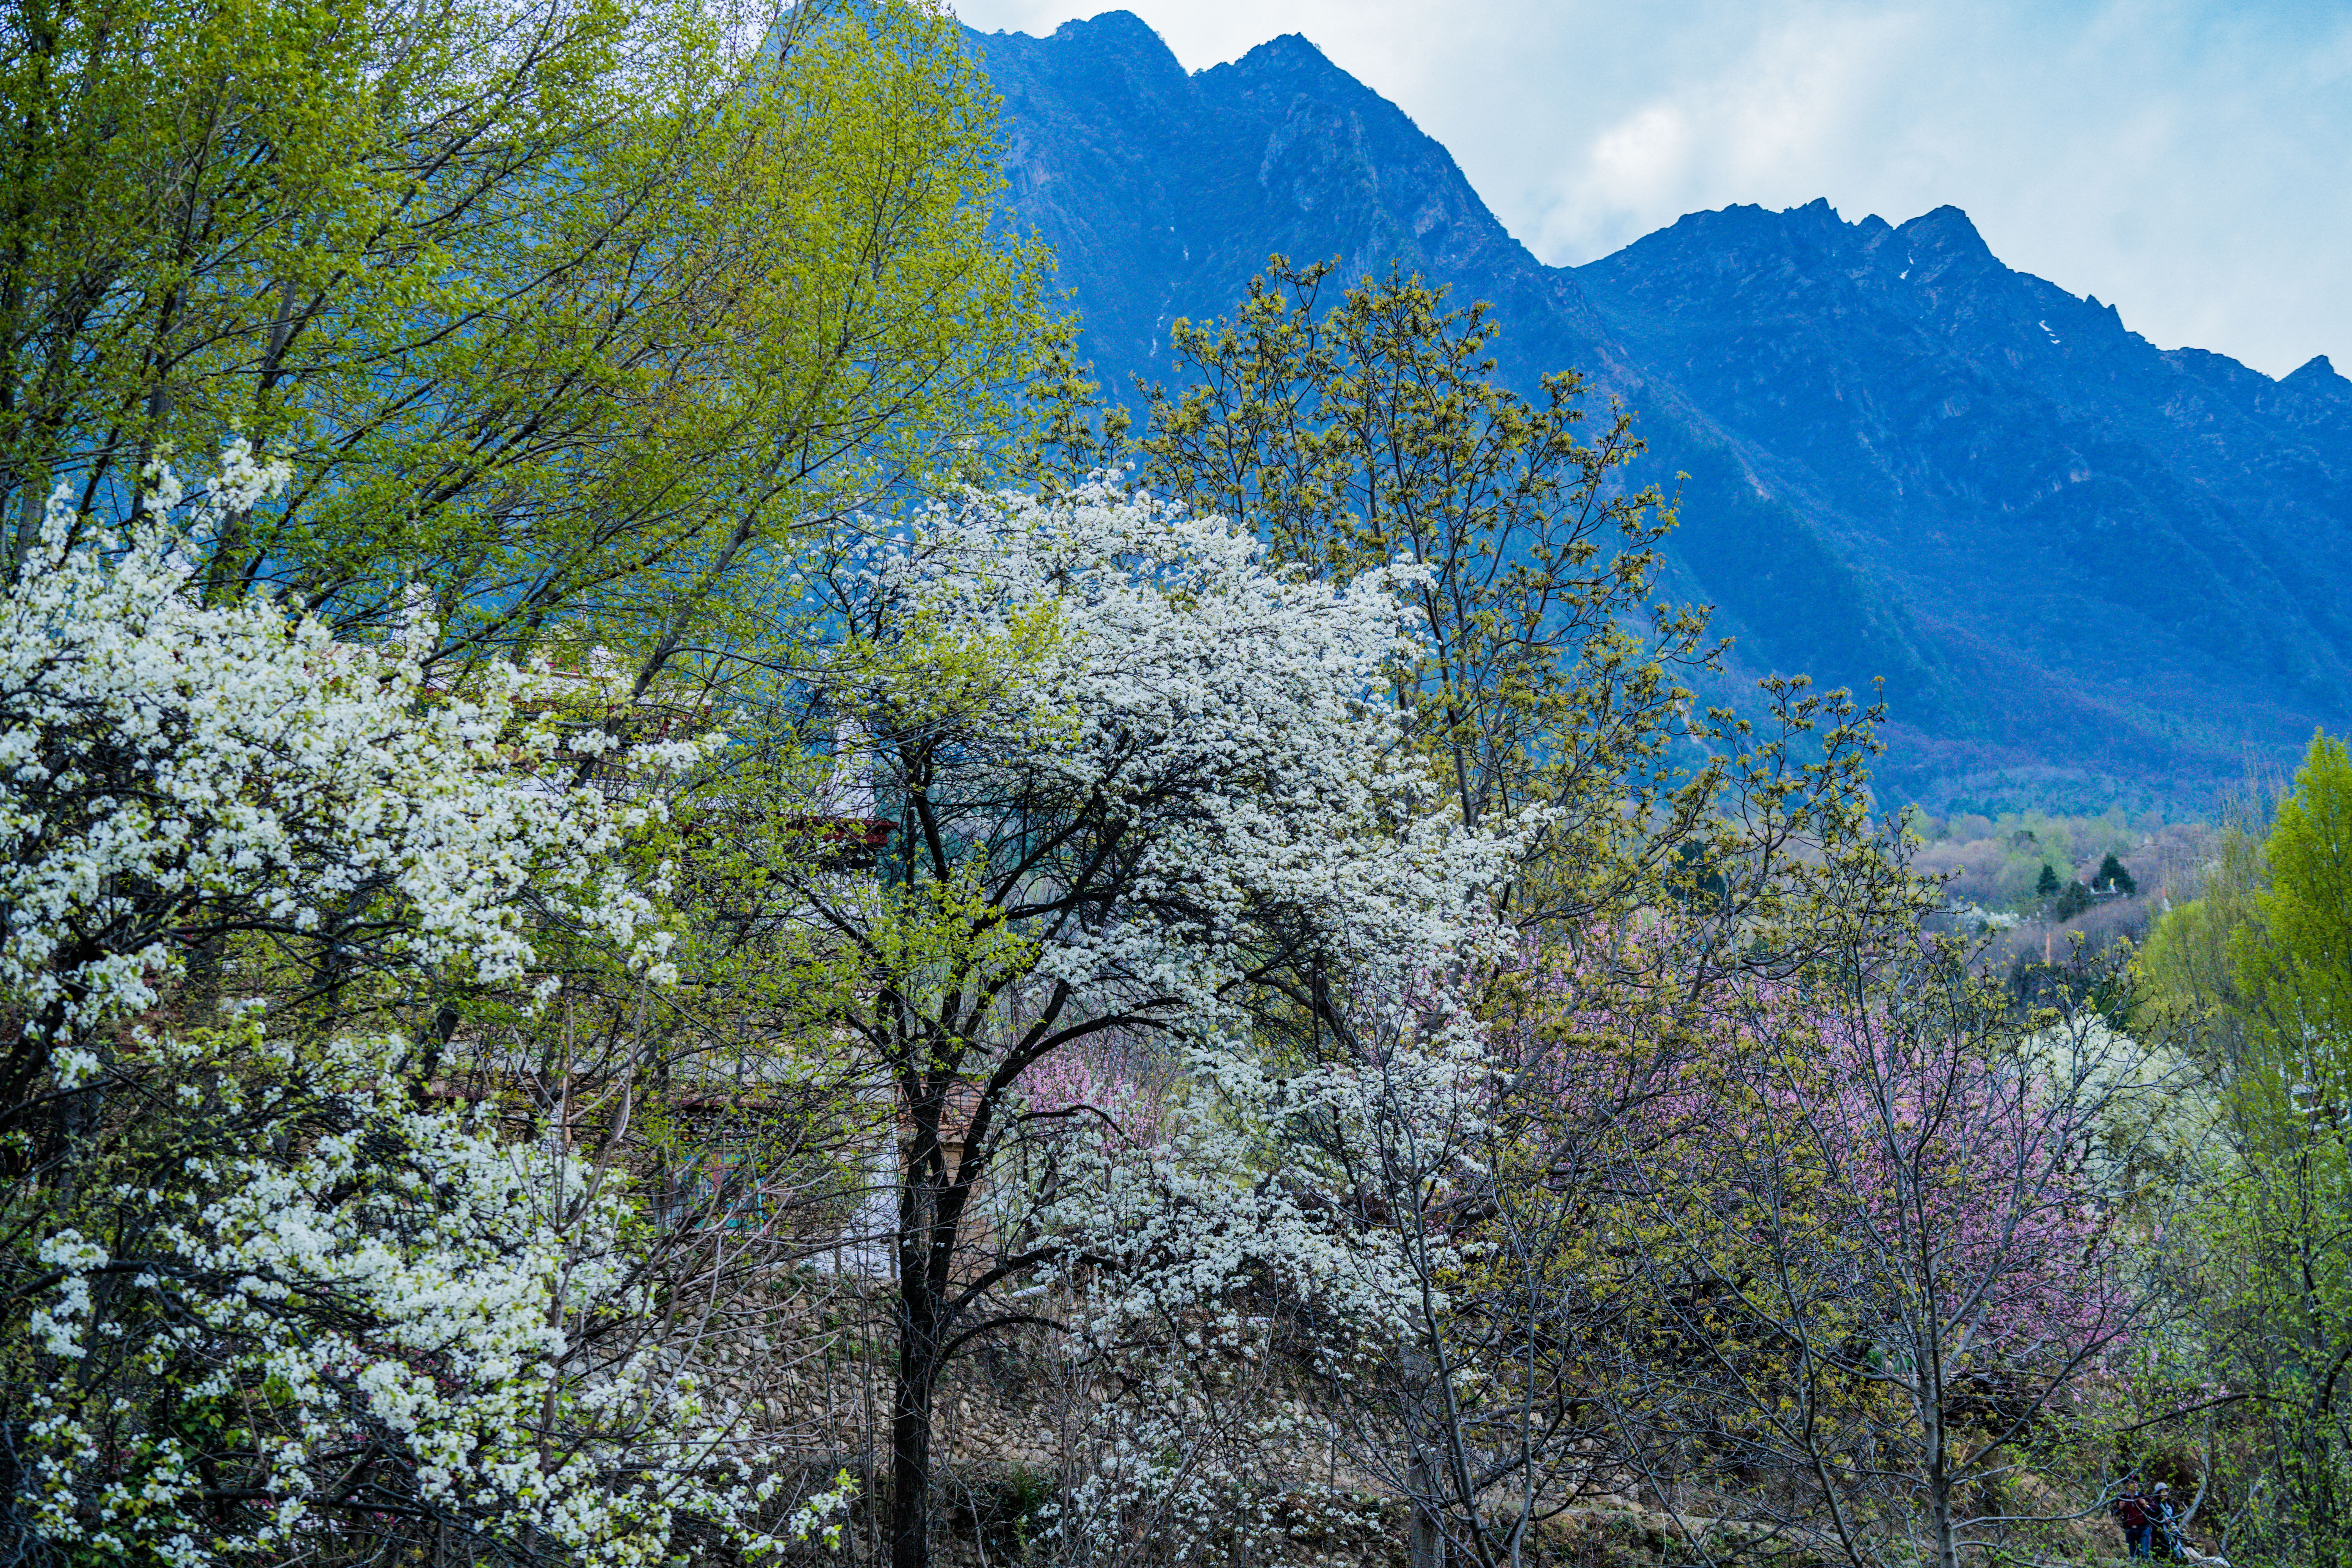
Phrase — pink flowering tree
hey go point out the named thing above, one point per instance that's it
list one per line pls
(1892, 1256)
(1836, 1261)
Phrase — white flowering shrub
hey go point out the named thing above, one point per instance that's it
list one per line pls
(172, 769)
(1210, 1276)
(1186, 1271)
(265, 1304)
(341, 1324)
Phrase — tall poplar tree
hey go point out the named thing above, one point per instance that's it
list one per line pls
(1556, 685)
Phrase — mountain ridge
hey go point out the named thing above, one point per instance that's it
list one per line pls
(2080, 563)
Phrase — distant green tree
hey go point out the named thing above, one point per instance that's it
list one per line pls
(2072, 900)
(2048, 885)
(2264, 975)
(2113, 877)
(2192, 981)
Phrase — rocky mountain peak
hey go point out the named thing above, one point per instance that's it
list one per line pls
(1947, 230)
(1121, 30)
(2071, 557)
(2315, 371)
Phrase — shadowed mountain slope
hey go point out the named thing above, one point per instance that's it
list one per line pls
(2083, 567)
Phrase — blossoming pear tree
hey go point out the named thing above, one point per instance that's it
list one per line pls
(1139, 784)
(406, 1332)
(179, 772)
(267, 1301)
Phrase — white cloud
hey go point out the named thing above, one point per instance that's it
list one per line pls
(1649, 150)
(2183, 160)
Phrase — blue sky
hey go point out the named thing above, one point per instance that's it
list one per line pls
(2189, 162)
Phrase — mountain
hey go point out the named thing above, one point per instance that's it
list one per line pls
(2085, 569)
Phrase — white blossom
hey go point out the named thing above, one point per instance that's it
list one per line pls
(1231, 720)
(413, 1280)
(157, 752)
(346, 1272)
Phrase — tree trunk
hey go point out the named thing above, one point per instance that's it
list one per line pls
(936, 1183)
(1939, 1488)
(929, 1209)
(911, 1426)
(1428, 1543)
(1428, 1540)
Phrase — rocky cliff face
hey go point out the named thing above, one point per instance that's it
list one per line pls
(2083, 567)
(2162, 536)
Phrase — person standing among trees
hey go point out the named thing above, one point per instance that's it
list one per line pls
(2131, 1511)
(2164, 1529)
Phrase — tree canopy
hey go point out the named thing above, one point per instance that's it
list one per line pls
(565, 315)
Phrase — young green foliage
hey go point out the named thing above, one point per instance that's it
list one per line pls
(1374, 431)
(2290, 1211)
(2257, 972)
(566, 310)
